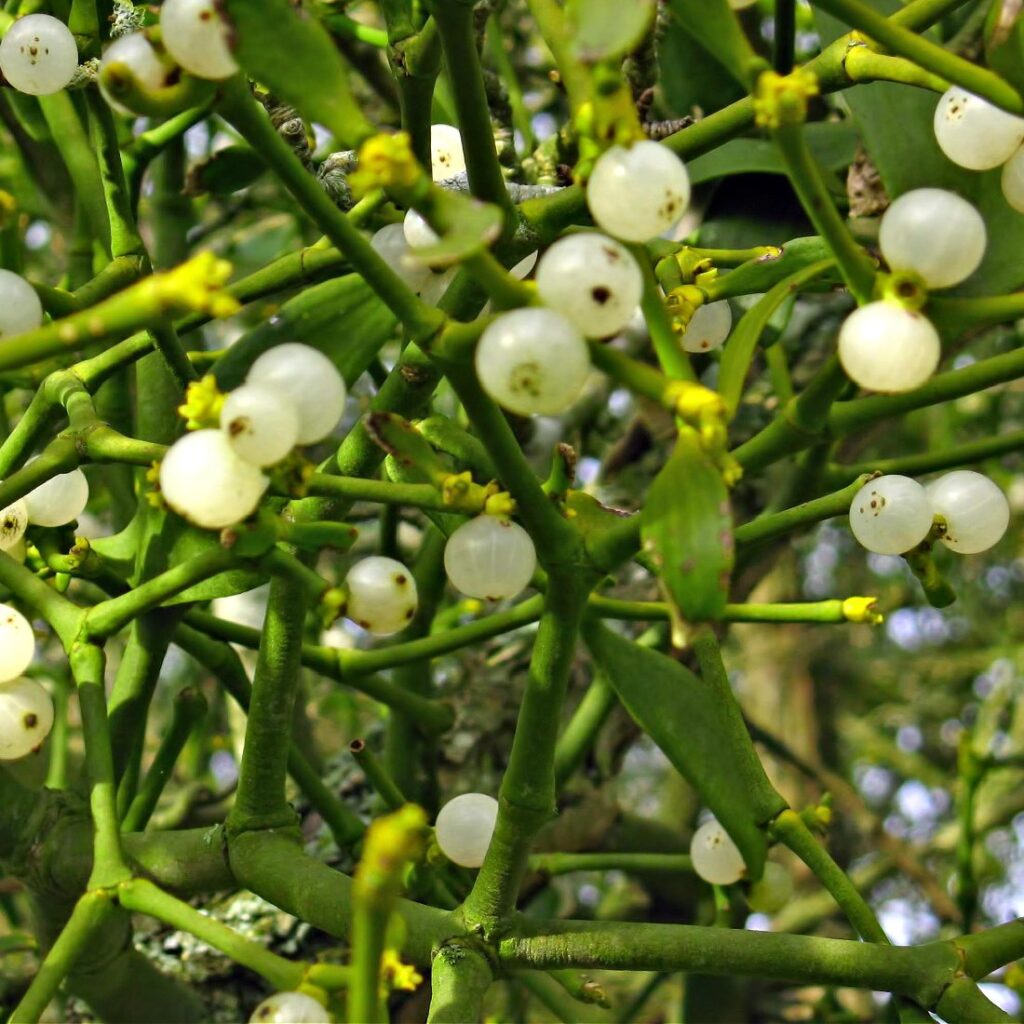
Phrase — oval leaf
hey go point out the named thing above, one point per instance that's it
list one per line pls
(687, 531)
(699, 727)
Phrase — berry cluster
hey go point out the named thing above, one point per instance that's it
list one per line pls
(892, 514)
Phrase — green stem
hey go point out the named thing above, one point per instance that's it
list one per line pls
(581, 730)
(806, 177)
(189, 708)
(790, 829)
(251, 121)
(109, 866)
(797, 611)
(924, 52)
(91, 912)
(459, 979)
(143, 897)
(260, 801)
(931, 462)
(527, 798)
(458, 38)
(377, 775)
(639, 863)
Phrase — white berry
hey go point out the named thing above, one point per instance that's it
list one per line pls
(446, 156)
(638, 193)
(974, 133)
(17, 643)
(202, 479)
(196, 36)
(490, 557)
(261, 424)
(38, 55)
(592, 280)
(307, 378)
(20, 308)
(715, 856)
(58, 501)
(975, 510)
(382, 595)
(464, 828)
(290, 1008)
(392, 246)
(26, 718)
(772, 891)
(532, 361)
(1013, 180)
(708, 327)
(437, 284)
(136, 53)
(13, 524)
(890, 515)
(885, 347)
(418, 233)
(934, 233)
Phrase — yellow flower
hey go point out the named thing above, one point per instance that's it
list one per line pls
(203, 403)
(398, 975)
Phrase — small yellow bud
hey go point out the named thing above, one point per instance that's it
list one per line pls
(398, 975)
(694, 403)
(203, 403)
(782, 99)
(862, 609)
(500, 504)
(385, 161)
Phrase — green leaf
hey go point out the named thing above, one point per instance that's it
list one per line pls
(315, 317)
(765, 272)
(470, 227)
(407, 446)
(739, 349)
(605, 29)
(715, 26)
(691, 77)
(687, 530)
(833, 143)
(698, 725)
(283, 46)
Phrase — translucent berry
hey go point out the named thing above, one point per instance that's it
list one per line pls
(638, 193)
(38, 55)
(715, 856)
(204, 481)
(975, 510)
(708, 327)
(261, 424)
(13, 524)
(974, 133)
(532, 361)
(58, 501)
(464, 828)
(20, 308)
(290, 1008)
(446, 156)
(437, 284)
(592, 281)
(885, 347)
(1013, 180)
(390, 243)
(137, 54)
(196, 36)
(17, 643)
(418, 233)
(309, 380)
(934, 233)
(382, 595)
(490, 557)
(890, 515)
(26, 718)
(772, 891)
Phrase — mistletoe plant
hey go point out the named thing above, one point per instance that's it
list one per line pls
(371, 435)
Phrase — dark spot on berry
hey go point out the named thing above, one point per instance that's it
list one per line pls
(31, 720)
(401, 579)
(239, 425)
(205, 15)
(612, 254)
(600, 294)
(409, 614)
(363, 623)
